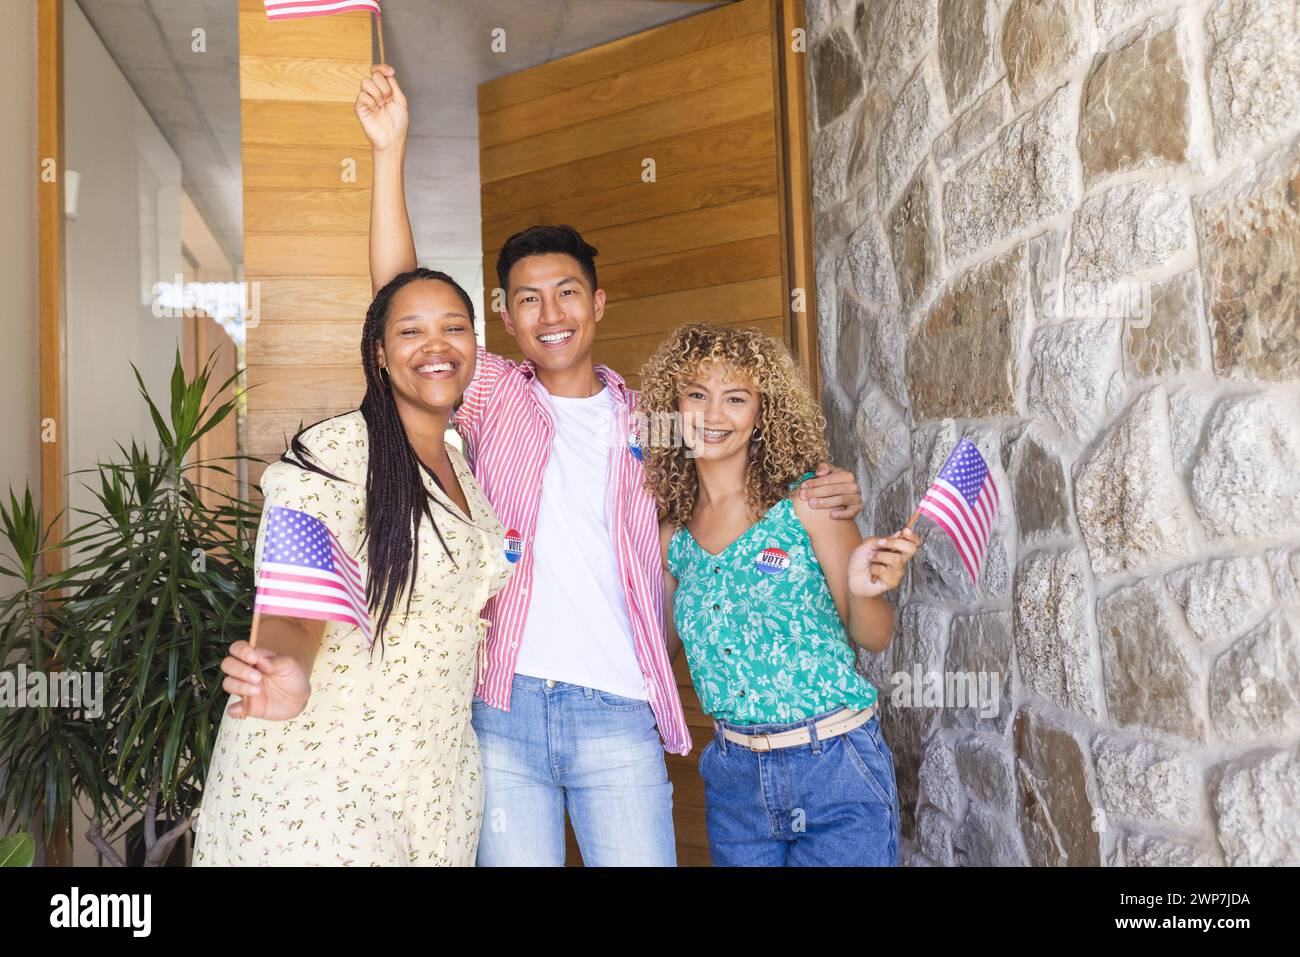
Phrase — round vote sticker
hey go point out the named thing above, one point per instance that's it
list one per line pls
(772, 561)
(634, 445)
(514, 546)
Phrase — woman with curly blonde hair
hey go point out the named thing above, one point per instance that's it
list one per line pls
(769, 596)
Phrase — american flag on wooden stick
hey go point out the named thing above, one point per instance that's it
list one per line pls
(291, 9)
(964, 502)
(305, 573)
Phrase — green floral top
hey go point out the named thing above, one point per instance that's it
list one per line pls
(763, 639)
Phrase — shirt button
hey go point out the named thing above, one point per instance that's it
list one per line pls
(717, 571)
(740, 694)
(715, 607)
(726, 651)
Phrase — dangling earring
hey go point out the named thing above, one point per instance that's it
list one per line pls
(383, 374)
(757, 436)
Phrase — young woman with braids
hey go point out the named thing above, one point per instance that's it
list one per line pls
(771, 599)
(338, 752)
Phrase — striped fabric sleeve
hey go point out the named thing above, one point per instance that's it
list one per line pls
(489, 368)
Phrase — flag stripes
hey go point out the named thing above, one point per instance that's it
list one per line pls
(964, 501)
(293, 9)
(306, 573)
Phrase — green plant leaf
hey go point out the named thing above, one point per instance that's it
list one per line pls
(17, 850)
(163, 432)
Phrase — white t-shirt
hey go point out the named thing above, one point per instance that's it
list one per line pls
(577, 630)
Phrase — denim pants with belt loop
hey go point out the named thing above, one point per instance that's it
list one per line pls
(832, 802)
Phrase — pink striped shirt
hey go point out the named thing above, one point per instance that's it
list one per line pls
(506, 423)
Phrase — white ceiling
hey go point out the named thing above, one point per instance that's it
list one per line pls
(442, 52)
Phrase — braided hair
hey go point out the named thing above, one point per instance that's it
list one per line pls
(396, 497)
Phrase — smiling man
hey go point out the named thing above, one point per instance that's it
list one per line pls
(575, 701)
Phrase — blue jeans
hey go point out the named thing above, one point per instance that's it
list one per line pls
(567, 747)
(831, 802)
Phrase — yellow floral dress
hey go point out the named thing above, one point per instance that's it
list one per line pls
(382, 766)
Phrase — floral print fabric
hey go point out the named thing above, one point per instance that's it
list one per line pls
(382, 766)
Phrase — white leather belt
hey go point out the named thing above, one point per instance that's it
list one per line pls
(839, 723)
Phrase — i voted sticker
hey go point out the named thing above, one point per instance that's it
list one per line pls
(514, 546)
(634, 445)
(772, 561)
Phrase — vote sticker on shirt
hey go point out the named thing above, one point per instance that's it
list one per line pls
(514, 546)
(634, 445)
(772, 561)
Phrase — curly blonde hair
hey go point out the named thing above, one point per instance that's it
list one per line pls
(792, 426)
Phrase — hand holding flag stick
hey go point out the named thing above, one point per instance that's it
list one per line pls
(270, 686)
(381, 108)
(876, 566)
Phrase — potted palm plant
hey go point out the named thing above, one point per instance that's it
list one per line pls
(40, 747)
(157, 583)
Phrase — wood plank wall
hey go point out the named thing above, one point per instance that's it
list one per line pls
(305, 222)
(564, 143)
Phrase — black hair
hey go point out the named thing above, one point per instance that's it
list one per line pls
(539, 240)
(396, 497)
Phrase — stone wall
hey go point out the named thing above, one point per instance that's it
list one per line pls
(1070, 231)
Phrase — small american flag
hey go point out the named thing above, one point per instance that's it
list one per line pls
(964, 502)
(292, 9)
(305, 573)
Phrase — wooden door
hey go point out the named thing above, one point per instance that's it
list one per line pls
(673, 152)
